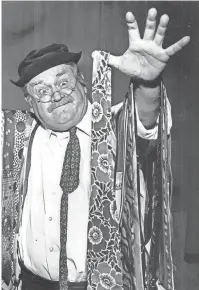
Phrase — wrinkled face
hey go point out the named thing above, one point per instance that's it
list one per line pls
(57, 99)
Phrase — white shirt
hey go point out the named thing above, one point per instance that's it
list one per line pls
(39, 236)
(40, 230)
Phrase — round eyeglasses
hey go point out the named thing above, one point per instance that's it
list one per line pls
(46, 97)
(45, 94)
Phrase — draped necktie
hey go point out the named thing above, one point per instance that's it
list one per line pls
(69, 182)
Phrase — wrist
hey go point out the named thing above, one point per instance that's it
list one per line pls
(114, 61)
(147, 84)
(147, 93)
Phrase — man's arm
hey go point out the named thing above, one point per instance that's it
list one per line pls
(144, 61)
(148, 103)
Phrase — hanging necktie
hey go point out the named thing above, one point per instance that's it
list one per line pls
(68, 183)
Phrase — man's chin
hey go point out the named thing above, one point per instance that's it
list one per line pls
(62, 122)
(59, 127)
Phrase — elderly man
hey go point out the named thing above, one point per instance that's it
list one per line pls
(86, 202)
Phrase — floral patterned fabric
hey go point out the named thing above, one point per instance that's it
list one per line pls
(129, 247)
(104, 269)
(14, 130)
(114, 236)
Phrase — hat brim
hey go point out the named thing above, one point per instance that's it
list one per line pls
(44, 63)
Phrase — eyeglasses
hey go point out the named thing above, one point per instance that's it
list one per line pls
(46, 98)
(44, 94)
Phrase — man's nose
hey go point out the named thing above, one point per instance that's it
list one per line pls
(56, 97)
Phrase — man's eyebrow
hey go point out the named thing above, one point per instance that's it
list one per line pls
(36, 83)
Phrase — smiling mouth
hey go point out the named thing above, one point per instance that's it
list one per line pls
(56, 105)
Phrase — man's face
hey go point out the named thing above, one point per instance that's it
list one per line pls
(68, 102)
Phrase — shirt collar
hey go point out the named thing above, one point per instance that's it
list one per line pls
(84, 125)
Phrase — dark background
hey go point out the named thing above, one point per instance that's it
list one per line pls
(88, 26)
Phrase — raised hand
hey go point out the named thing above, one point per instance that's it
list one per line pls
(145, 58)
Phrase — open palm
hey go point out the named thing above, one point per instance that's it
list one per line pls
(145, 58)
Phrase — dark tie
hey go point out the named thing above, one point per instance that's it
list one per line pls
(69, 182)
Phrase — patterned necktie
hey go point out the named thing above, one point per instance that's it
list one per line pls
(69, 182)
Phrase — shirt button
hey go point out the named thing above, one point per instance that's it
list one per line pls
(51, 249)
(54, 193)
(50, 218)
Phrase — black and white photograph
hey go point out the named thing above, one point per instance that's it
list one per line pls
(99, 140)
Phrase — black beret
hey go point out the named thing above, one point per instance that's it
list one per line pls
(43, 59)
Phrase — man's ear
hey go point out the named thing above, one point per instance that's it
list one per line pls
(29, 101)
(74, 67)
